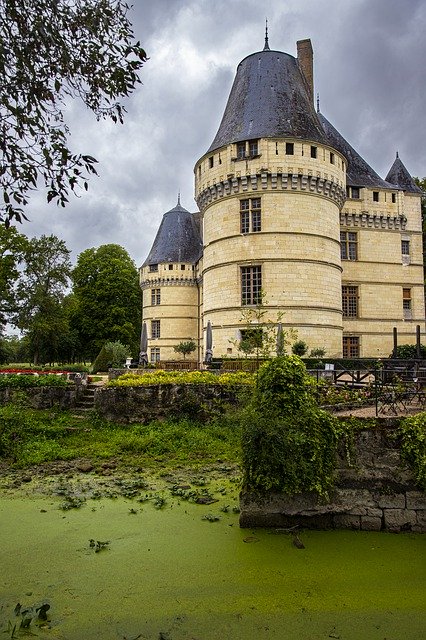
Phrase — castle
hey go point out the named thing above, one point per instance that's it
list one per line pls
(290, 215)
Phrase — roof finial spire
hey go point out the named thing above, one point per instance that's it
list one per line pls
(318, 107)
(397, 154)
(178, 199)
(266, 47)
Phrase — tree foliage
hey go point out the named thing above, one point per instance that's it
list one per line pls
(12, 245)
(53, 51)
(289, 444)
(112, 354)
(40, 291)
(108, 299)
(185, 348)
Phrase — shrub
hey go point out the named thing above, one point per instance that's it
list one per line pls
(289, 444)
(299, 348)
(409, 352)
(112, 354)
(182, 377)
(22, 381)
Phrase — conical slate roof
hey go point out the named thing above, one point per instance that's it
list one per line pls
(399, 175)
(358, 173)
(269, 98)
(178, 238)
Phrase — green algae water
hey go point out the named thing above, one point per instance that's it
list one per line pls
(169, 574)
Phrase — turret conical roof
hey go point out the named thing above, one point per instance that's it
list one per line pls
(358, 173)
(399, 175)
(178, 239)
(269, 98)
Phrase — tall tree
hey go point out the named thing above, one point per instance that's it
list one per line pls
(51, 51)
(40, 292)
(106, 288)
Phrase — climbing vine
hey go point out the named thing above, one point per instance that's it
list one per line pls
(412, 435)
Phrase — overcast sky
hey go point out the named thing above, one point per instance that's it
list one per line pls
(369, 69)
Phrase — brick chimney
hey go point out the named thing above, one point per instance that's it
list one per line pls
(305, 59)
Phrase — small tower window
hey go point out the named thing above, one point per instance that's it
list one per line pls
(254, 148)
(250, 215)
(182, 267)
(241, 150)
(155, 329)
(170, 267)
(289, 148)
(211, 161)
(155, 296)
(332, 158)
(393, 198)
(313, 152)
(155, 354)
(153, 267)
(375, 196)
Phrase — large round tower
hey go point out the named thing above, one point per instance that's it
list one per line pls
(270, 189)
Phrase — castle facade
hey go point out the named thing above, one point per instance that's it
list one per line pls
(290, 217)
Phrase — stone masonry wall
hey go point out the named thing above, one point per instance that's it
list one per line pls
(377, 493)
(43, 397)
(158, 402)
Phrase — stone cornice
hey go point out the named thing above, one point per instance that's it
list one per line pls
(266, 180)
(372, 220)
(168, 282)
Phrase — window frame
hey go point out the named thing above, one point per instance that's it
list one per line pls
(155, 297)
(155, 329)
(241, 150)
(350, 301)
(251, 285)
(289, 148)
(250, 215)
(154, 355)
(351, 347)
(407, 303)
(348, 246)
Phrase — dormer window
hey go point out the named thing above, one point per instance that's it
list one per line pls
(247, 149)
(253, 148)
(352, 192)
(241, 150)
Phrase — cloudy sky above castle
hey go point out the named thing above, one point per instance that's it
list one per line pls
(370, 72)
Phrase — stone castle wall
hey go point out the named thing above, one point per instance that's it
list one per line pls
(377, 493)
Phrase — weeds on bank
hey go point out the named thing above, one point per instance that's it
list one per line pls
(29, 437)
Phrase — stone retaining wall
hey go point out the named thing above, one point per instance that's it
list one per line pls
(377, 493)
(44, 397)
(158, 402)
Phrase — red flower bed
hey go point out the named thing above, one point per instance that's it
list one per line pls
(33, 372)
